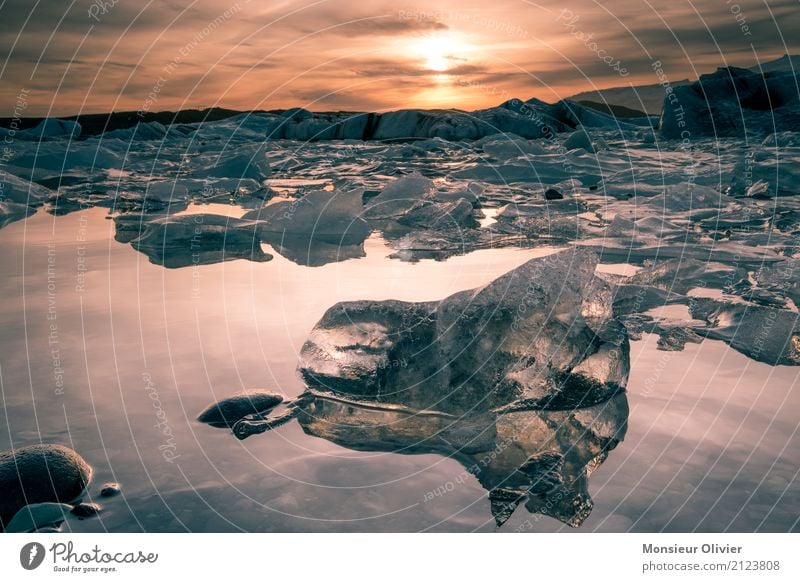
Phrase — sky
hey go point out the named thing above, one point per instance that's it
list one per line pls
(64, 57)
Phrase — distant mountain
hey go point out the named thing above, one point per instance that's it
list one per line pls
(647, 98)
(650, 98)
(785, 64)
(618, 111)
(97, 123)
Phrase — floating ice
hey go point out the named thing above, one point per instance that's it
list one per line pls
(765, 176)
(764, 334)
(546, 470)
(199, 239)
(242, 163)
(330, 216)
(441, 215)
(11, 212)
(20, 191)
(151, 130)
(540, 336)
(400, 196)
(688, 197)
(471, 193)
(509, 147)
(60, 156)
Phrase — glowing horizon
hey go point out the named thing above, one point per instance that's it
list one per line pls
(102, 56)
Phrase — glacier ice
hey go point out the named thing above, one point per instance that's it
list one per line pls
(579, 139)
(732, 102)
(441, 215)
(541, 336)
(400, 196)
(247, 163)
(333, 216)
(765, 334)
(52, 128)
(199, 239)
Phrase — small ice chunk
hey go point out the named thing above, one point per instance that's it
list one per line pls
(21, 191)
(686, 197)
(442, 215)
(400, 196)
(508, 148)
(764, 334)
(579, 139)
(332, 216)
(247, 163)
(199, 239)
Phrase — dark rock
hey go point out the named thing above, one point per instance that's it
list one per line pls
(110, 489)
(40, 474)
(226, 412)
(553, 194)
(84, 510)
(674, 339)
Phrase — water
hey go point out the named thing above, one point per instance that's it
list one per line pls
(115, 357)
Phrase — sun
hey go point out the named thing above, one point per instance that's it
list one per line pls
(439, 52)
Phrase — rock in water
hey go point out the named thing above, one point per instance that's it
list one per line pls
(228, 411)
(40, 474)
(110, 489)
(541, 336)
(553, 194)
(85, 510)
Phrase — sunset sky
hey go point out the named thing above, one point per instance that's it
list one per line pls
(66, 57)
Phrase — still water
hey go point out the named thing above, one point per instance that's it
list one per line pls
(115, 357)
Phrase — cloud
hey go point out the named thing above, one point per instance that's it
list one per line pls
(409, 68)
(356, 55)
(388, 26)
